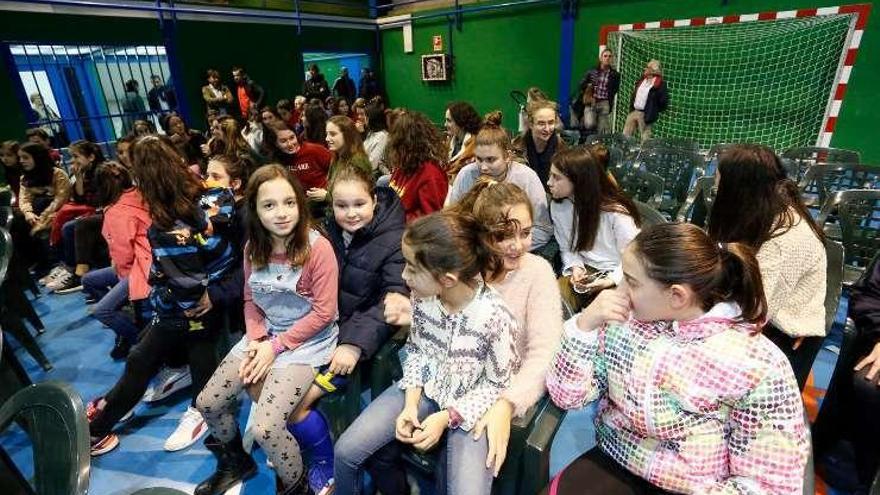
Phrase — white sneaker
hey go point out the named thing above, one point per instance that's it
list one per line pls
(63, 278)
(52, 275)
(168, 381)
(192, 427)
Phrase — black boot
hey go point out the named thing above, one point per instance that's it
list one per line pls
(234, 465)
(301, 488)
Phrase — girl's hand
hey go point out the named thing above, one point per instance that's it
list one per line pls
(359, 126)
(406, 423)
(873, 360)
(431, 431)
(609, 305)
(261, 361)
(344, 359)
(31, 218)
(599, 284)
(496, 422)
(205, 149)
(398, 309)
(316, 194)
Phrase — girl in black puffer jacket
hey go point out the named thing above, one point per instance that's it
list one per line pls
(366, 229)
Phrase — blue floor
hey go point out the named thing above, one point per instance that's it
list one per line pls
(78, 347)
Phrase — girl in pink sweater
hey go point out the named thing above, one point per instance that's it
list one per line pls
(528, 287)
(290, 294)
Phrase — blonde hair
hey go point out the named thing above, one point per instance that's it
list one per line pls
(535, 106)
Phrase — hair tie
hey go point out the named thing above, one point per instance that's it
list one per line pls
(721, 248)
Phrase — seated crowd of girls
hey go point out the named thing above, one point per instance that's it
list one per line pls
(696, 343)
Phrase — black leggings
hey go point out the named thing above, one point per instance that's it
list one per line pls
(597, 473)
(163, 340)
(802, 358)
(90, 246)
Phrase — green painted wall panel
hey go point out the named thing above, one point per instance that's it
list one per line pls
(494, 54)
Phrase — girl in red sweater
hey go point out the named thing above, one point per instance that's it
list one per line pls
(415, 152)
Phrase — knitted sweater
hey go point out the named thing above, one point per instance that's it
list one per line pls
(700, 406)
(532, 295)
(793, 268)
(463, 360)
(421, 192)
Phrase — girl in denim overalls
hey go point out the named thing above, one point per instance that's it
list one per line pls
(290, 314)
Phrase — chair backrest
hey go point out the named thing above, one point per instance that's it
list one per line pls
(833, 280)
(6, 196)
(698, 204)
(621, 149)
(5, 252)
(712, 156)
(53, 415)
(798, 160)
(858, 212)
(649, 215)
(822, 180)
(686, 144)
(676, 167)
(642, 186)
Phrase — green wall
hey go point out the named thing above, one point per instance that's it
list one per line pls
(495, 53)
(271, 53)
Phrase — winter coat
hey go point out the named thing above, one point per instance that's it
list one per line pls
(658, 99)
(370, 268)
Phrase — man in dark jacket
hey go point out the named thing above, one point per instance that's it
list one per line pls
(343, 87)
(161, 97)
(596, 94)
(649, 98)
(368, 87)
(250, 94)
(315, 86)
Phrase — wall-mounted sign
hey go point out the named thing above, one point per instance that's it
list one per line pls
(437, 42)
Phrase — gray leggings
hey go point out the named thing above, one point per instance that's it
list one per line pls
(282, 389)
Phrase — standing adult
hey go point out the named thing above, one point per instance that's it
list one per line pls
(368, 87)
(250, 94)
(316, 85)
(649, 98)
(132, 106)
(216, 94)
(161, 97)
(597, 91)
(343, 86)
(49, 120)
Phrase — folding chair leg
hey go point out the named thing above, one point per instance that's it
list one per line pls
(14, 326)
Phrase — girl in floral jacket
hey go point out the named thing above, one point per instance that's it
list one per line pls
(693, 399)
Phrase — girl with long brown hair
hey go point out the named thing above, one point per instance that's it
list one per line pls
(290, 300)
(593, 221)
(692, 398)
(344, 142)
(191, 256)
(789, 247)
(416, 152)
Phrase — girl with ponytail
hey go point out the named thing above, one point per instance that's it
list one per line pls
(693, 398)
(493, 160)
(459, 359)
(787, 242)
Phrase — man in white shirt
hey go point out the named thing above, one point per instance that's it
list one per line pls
(649, 98)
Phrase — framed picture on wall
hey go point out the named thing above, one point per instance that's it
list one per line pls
(434, 67)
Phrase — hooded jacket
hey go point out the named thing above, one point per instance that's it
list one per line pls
(125, 228)
(370, 268)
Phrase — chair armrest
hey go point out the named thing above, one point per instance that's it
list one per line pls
(536, 458)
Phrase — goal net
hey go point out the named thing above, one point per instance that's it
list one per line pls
(769, 82)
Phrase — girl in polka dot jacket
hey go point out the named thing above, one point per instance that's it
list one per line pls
(693, 399)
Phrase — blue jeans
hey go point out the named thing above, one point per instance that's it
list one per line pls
(68, 245)
(465, 458)
(112, 291)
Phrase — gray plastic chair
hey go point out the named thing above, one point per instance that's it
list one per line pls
(798, 160)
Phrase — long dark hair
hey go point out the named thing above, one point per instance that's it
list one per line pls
(448, 242)
(315, 125)
(44, 168)
(465, 116)
(376, 118)
(259, 240)
(87, 148)
(353, 145)
(169, 188)
(113, 179)
(414, 140)
(593, 193)
(755, 200)
(682, 253)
